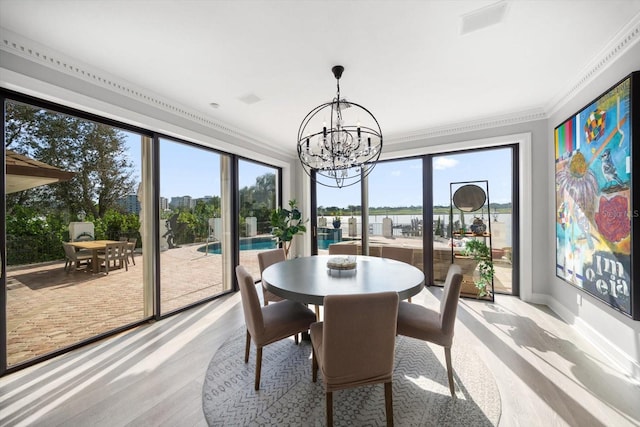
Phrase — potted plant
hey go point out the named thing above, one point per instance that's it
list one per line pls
(286, 223)
(480, 252)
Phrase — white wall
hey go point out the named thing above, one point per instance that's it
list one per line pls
(615, 334)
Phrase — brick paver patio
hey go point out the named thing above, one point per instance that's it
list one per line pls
(49, 309)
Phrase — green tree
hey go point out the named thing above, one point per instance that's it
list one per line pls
(96, 153)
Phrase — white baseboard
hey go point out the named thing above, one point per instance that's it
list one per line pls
(626, 363)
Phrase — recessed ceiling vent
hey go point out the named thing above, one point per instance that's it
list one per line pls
(483, 17)
(249, 99)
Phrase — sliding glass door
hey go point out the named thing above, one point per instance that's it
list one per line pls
(496, 167)
(68, 179)
(194, 244)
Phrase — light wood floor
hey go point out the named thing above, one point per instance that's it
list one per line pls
(547, 374)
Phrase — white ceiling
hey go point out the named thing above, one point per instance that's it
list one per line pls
(406, 61)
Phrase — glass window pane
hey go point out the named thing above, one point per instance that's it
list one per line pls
(493, 165)
(339, 217)
(68, 179)
(258, 198)
(193, 249)
(395, 207)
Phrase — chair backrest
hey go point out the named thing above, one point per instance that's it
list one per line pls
(69, 251)
(132, 242)
(123, 238)
(449, 301)
(359, 334)
(270, 257)
(336, 249)
(116, 250)
(250, 302)
(398, 253)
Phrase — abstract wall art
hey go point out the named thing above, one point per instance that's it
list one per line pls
(596, 183)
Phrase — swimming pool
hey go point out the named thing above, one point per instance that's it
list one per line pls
(246, 244)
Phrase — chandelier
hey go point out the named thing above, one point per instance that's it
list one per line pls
(340, 141)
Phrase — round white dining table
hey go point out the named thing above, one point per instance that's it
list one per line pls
(308, 279)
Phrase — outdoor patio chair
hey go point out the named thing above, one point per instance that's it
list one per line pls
(417, 321)
(116, 252)
(73, 257)
(131, 249)
(355, 345)
(266, 325)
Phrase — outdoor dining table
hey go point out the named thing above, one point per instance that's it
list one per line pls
(308, 279)
(94, 246)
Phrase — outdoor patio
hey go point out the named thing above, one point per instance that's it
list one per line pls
(49, 309)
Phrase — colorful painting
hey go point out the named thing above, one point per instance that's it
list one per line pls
(594, 206)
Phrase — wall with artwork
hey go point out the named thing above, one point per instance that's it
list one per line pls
(594, 204)
(606, 325)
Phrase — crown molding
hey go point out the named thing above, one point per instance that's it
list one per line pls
(34, 52)
(624, 40)
(470, 126)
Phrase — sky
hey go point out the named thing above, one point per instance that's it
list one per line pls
(399, 182)
(396, 183)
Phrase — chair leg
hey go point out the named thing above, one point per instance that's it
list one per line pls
(409, 299)
(258, 366)
(329, 395)
(388, 402)
(295, 337)
(318, 313)
(447, 356)
(246, 347)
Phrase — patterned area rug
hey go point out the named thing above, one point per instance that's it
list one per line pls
(288, 397)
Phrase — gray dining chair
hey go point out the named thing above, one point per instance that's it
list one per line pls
(417, 321)
(355, 345)
(398, 253)
(343, 249)
(266, 325)
(265, 259)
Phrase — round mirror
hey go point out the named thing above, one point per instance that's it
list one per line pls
(469, 198)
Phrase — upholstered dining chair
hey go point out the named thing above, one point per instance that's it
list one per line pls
(399, 254)
(266, 325)
(419, 322)
(265, 259)
(336, 249)
(355, 344)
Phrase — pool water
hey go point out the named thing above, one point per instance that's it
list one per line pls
(251, 243)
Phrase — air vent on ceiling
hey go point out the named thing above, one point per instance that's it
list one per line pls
(249, 99)
(483, 17)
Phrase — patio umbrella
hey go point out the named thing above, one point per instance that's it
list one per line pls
(23, 173)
